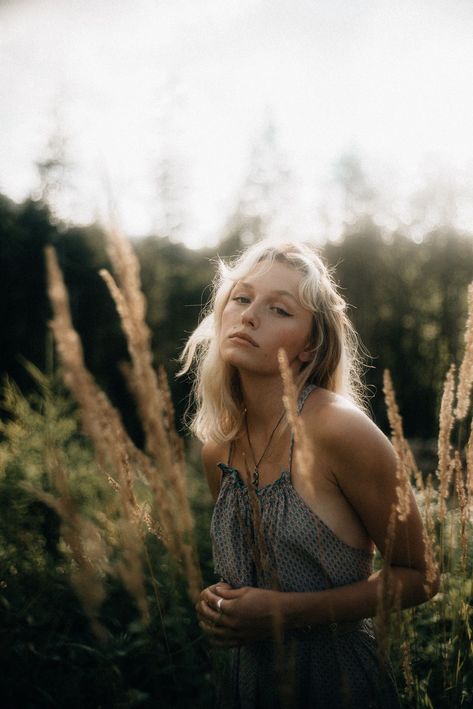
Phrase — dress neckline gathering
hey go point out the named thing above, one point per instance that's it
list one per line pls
(285, 476)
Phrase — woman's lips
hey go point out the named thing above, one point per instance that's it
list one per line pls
(243, 337)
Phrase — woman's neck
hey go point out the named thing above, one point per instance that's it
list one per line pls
(262, 397)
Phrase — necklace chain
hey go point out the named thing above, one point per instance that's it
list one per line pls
(257, 463)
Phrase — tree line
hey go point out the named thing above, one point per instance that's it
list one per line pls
(407, 300)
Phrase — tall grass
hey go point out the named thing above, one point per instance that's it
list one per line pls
(432, 645)
(160, 468)
(145, 494)
(435, 665)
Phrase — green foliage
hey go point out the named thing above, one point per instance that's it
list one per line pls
(45, 635)
(439, 636)
(50, 657)
(24, 230)
(175, 282)
(408, 303)
(409, 306)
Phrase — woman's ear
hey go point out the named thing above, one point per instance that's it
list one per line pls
(307, 354)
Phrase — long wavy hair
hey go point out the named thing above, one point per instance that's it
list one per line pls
(336, 364)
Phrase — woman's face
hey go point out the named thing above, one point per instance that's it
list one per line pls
(262, 315)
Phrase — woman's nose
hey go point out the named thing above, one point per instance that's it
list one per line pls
(249, 316)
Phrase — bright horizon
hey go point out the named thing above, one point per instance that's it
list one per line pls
(192, 84)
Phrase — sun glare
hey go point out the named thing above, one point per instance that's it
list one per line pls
(152, 87)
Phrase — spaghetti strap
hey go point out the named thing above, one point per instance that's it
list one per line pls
(230, 452)
(300, 405)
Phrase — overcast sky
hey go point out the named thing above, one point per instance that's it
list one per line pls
(132, 83)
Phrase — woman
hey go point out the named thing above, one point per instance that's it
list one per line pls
(294, 548)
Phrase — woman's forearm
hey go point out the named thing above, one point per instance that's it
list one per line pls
(405, 588)
(236, 616)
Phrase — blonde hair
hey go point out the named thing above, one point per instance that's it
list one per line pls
(336, 363)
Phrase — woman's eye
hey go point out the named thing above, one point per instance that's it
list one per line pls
(241, 299)
(281, 311)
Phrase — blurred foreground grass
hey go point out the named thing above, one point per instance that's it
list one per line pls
(51, 657)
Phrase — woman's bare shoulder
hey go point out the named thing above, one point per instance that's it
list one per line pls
(340, 425)
(364, 465)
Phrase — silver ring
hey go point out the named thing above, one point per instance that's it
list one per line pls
(219, 605)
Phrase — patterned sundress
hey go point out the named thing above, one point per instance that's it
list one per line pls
(336, 666)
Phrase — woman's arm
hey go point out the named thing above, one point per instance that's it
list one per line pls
(363, 464)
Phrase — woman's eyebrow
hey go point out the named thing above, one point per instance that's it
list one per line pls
(286, 292)
(274, 292)
(244, 284)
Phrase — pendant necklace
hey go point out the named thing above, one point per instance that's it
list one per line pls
(257, 463)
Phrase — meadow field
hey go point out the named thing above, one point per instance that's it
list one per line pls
(104, 540)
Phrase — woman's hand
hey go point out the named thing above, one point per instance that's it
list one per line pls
(237, 616)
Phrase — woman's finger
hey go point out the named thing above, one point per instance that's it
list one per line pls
(209, 614)
(215, 618)
(208, 602)
(212, 599)
(217, 632)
